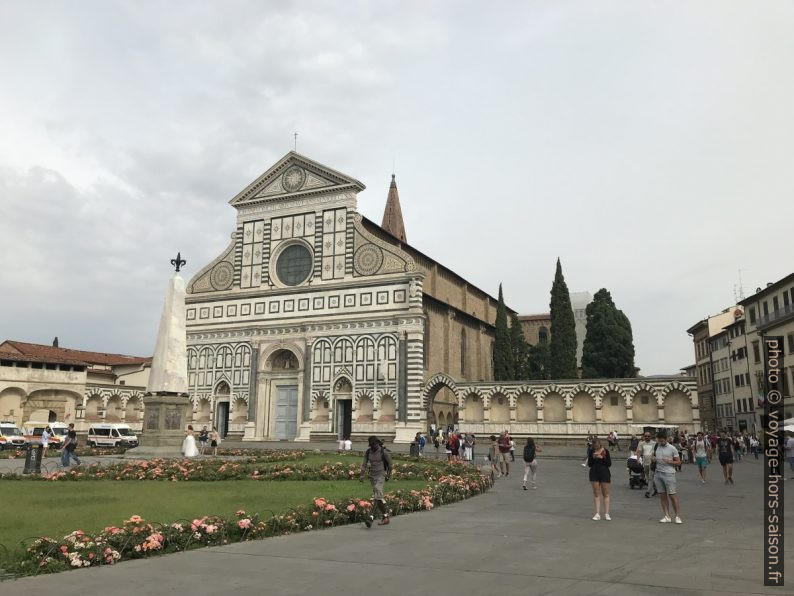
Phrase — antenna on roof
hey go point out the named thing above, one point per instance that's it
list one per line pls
(295, 142)
(741, 287)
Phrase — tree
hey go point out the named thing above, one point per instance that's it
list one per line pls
(520, 350)
(562, 348)
(503, 361)
(538, 362)
(608, 351)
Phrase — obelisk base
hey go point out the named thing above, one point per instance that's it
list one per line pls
(166, 416)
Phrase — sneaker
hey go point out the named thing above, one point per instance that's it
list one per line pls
(524, 486)
(534, 486)
(665, 520)
(368, 521)
(384, 521)
(584, 465)
(606, 517)
(647, 495)
(702, 481)
(678, 520)
(596, 517)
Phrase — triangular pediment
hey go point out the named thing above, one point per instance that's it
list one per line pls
(292, 176)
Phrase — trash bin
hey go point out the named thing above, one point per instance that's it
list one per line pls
(414, 450)
(33, 459)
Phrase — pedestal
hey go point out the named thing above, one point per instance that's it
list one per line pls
(166, 417)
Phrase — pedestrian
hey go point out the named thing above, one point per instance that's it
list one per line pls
(635, 442)
(215, 440)
(495, 457)
(589, 447)
(790, 452)
(377, 465)
(348, 444)
(725, 455)
(422, 443)
(45, 440)
(467, 447)
(512, 449)
(203, 438)
(600, 478)
(69, 449)
(189, 448)
(437, 445)
(737, 448)
(754, 446)
(702, 452)
(645, 452)
(617, 439)
(666, 458)
(611, 440)
(504, 450)
(530, 462)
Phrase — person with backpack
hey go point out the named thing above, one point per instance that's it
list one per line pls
(530, 463)
(725, 454)
(69, 447)
(377, 465)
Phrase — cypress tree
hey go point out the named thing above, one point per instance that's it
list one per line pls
(608, 350)
(520, 349)
(503, 361)
(562, 348)
(538, 363)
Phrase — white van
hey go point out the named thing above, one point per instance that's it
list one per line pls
(11, 437)
(34, 429)
(111, 435)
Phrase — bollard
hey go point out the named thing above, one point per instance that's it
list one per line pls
(33, 459)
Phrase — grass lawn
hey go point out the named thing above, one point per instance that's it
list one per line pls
(33, 509)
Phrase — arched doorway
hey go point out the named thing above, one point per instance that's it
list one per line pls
(222, 392)
(441, 402)
(343, 405)
(283, 369)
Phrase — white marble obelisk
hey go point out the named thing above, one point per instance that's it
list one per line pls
(169, 365)
(167, 406)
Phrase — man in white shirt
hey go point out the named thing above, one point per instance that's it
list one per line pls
(666, 459)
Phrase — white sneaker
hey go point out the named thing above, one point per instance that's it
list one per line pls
(678, 520)
(584, 465)
(702, 481)
(665, 520)
(597, 516)
(606, 517)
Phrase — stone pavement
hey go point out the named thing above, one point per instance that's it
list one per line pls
(508, 541)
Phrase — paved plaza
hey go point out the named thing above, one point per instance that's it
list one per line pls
(508, 541)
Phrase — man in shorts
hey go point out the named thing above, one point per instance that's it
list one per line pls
(725, 454)
(645, 451)
(377, 464)
(504, 452)
(666, 458)
(702, 449)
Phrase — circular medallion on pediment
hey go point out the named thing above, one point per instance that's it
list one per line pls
(368, 259)
(293, 179)
(222, 276)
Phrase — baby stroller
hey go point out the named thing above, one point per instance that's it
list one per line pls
(635, 473)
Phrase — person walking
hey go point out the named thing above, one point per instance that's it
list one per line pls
(422, 443)
(69, 449)
(617, 439)
(666, 458)
(702, 453)
(725, 455)
(512, 449)
(737, 448)
(754, 444)
(45, 440)
(215, 440)
(203, 438)
(504, 451)
(600, 461)
(494, 456)
(189, 448)
(377, 465)
(645, 451)
(530, 462)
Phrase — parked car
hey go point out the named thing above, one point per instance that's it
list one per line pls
(34, 429)
(111, 435)
(11, 437)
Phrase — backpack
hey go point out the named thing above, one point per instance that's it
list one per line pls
(529, 453)
(384, 458)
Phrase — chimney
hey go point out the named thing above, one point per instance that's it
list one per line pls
(55, 342)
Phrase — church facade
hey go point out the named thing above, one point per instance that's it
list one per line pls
(316, 323)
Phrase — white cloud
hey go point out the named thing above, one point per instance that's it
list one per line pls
(646, 145)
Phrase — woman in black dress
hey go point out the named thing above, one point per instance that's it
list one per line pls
(599, 462)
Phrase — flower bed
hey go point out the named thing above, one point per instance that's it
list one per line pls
(137, 538)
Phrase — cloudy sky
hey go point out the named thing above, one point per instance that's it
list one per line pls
(647, 144)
